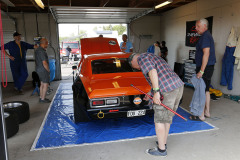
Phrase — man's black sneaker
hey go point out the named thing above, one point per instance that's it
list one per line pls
(44, 101)
(213, 97)
(156, 152)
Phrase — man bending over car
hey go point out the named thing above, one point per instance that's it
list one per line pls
(163, 81)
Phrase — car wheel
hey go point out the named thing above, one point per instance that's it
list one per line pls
(12, 125)
(79, 102)
(80, 114)
(18, 107)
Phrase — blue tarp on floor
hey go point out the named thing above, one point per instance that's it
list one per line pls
(59, 128)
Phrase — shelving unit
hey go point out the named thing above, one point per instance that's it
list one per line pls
(190, 69)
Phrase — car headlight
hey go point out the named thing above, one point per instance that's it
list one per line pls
(63, 51)
(77, 51)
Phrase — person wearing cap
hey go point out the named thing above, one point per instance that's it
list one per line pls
(155, 48)
(126, 46)
(164, 81)
(18, 64)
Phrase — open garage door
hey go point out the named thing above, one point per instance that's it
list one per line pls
(97, 14)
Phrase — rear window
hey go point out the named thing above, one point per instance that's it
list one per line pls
(113, 65)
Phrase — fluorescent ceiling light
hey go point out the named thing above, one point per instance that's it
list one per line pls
(163, 4)
(40, 3)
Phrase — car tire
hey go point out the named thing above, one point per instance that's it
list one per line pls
(20, 108)
(79, 102)
(11, 122)
(80, 114)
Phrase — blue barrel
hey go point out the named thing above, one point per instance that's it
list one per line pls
(52, 68)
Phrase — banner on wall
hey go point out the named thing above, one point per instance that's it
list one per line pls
(192, 36)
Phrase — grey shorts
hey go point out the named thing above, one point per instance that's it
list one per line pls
(171, 99)
(44, 76)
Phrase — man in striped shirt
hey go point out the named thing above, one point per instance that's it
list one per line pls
(164, 81)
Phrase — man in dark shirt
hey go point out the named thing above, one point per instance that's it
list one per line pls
(205, 59)
(163, 81)
(164, 50)
(42, 68)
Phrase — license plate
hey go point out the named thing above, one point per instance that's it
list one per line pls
(136, 113)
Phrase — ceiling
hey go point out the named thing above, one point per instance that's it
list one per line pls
(92, 11)
(30, 5)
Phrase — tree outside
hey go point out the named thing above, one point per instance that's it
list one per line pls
(73, 37)
(120, 28)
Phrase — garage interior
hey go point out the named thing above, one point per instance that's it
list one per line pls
(145, 26)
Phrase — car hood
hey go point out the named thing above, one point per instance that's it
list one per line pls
(101, 45)
(116, 86)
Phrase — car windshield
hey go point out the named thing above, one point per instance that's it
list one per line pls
(114, 65)
(71, 45)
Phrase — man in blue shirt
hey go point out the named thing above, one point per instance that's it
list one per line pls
(205, 59)
(17, 55)
(126, 46)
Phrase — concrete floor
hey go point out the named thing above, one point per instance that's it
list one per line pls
(221, 144)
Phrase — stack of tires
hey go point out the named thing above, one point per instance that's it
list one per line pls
(15, 113)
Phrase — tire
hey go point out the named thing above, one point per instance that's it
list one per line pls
(80, 114)
(12, 125)
(20, 108)
(79, 102)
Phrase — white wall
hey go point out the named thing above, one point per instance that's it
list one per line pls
(225, 15)
(147, 25)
